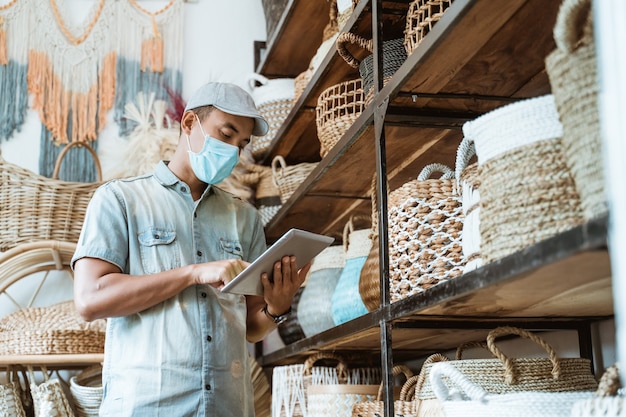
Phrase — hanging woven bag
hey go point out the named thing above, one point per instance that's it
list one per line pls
(609, 400)
(369, 280)
(572, 70)
(425, 229)
(49, 399)
(527, 192)
(10, 396)
(420, 19)
(315, 303)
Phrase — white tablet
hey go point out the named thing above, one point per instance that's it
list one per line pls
(300, 243)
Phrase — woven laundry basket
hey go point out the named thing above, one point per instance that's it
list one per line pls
(274, 99)
(527, 192)
(34, 207)
(453, 388)
(337, 109)
(420, 19)
(266, 194)
(86, 389)
(572, 70)
(56, 329)
(503, 374)
(468, 187)
(288, 178)
(425, 230)
(346, 302)
(393, 53)
(10, 396)
(609, 400)
(403, 405)
(315, 304)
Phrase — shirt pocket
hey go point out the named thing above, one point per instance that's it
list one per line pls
(231, 249)
(159, 249)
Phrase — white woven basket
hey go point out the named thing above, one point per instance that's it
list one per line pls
(463, 398)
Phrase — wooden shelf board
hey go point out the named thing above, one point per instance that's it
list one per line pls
(60, 361)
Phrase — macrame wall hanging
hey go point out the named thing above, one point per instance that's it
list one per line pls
(71, 75)
(150, 56)
(15, 30)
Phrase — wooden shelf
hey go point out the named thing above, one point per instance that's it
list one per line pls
(69, 361)
(562, 282)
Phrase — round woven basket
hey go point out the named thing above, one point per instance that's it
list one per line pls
(420, 19)
(56, 329)
(572, 70)
(337, 108)
(266, 194)
(288, 178)
(425, 228)
(86, 389)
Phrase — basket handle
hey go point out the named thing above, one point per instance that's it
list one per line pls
(254, 77)
(609, 383)
(332, 26)
(275, 173)
(434, 358)
(509, 373)
(456, 377)
(464, 153)
(347, 229)
(397, 370)
(459, 350)
(348, 37)
(57, 165)
(566, 30)
(429, 170)
(342, 366)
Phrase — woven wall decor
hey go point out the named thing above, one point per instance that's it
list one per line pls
(15, 34)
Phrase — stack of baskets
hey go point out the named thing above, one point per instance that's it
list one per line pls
(420, 19)
(287, 178)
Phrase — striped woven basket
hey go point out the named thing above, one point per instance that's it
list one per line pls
(420, 19)
(288, 178)
(86, 389)
(425, 229)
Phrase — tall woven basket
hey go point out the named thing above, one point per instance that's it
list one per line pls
(571, 68)
(527, 192)
(34, 207)
(425, 229)
(337, 108)
(287, 178)
(274, 99)
(420, 19)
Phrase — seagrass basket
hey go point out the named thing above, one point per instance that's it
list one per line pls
(425, 229)
(403, 406)
(56, 329)
(572, 70)
(34, 207)
(266, 194)
(337, 108)
(420, 19)
(287, 178)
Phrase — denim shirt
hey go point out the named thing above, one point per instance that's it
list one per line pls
(186, 356)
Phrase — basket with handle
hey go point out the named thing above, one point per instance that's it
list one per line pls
(288, 178)
(34, 207)
(403, 406)
(10, 396)
(393, 54)
(337, 108)
(425, 229)
(608, 400)
(266, 194)
(49, 399)
(274, 99)
(420, 19)
(472, 400)
(572, 72)
(504, 374)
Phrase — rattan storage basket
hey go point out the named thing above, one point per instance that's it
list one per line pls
(56, 329)
(420, 19)
(337, 108)
(34, 207)
(425, 229)
(288, 178)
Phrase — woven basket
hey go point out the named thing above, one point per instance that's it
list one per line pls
(344, 10)
(34, 207)
(608, 401)
(425, 229)
(315, 304)
(403, 406)
(288, 178)
(337, 108)
(483, 404)
(261, 389)
(346, 302)
(48, 397)
(10, 402)
(420, 19)
(571, 68)
(274, 100)
(468, 186)
(291, 330)
(393, 53)
(86, 389)
(527, 192)
(504, 375)
(56, 329)
(266, 194)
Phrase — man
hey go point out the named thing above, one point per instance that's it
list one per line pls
(153, 254)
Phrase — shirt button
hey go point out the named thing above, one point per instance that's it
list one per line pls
(208, 387)
(183, 189)
(195, 215)
(199, 253)
(203, 295)
(209, 338)
(156, 236)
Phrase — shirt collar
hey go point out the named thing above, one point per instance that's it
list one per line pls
(167, 178)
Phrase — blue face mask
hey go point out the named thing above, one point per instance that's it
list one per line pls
(215, 161)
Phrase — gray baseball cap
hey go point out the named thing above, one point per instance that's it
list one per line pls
(231, 99)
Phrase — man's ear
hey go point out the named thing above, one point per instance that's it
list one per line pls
(187, 121)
